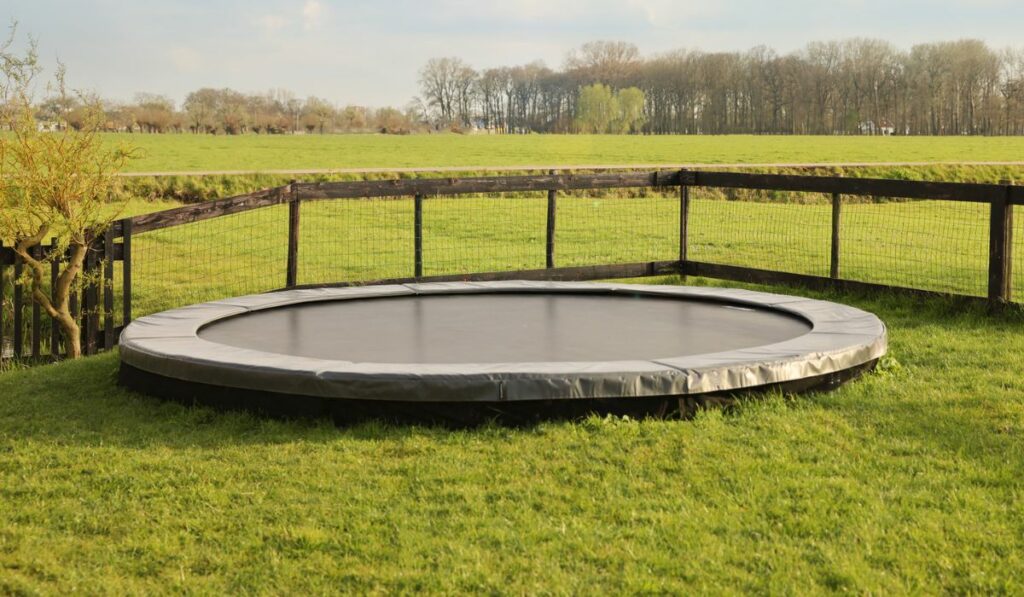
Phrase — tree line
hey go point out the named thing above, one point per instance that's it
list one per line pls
(855, 86)
(226, 111)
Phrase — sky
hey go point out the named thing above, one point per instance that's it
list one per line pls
(369, 53)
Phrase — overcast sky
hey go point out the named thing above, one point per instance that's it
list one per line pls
(369, 52)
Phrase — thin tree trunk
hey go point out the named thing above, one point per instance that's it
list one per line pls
(58, 308)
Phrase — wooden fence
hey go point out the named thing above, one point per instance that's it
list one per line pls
(30, 332)
(115, 244)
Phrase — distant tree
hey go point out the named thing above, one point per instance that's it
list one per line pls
(317, 114)
(119, 117)
(630, 103)
(153, 113)
(201, 108)
(392, 122)
(293, 109)
(447, 85)
(610, 62)
(266, 114)
(232, 112)
(597, 109)
(353, 118)
(78, 117)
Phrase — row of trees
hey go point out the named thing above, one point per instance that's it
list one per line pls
(854, 86)
(230, 112)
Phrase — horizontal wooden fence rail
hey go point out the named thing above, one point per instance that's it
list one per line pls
(100, 327)
(486, 184)
(204, 211)
(869, 187)
(304, 191)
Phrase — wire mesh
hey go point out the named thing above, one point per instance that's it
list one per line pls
(41, 335)
(6, 312)
(763, 230)
(237, 254)
(494, 233)
(612, 229)
(355, 240)
(36, 326)
(1017, 255)
(940, 246)
(932, 245)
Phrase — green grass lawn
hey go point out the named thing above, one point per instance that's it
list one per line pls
(907, 481)
(251, 152)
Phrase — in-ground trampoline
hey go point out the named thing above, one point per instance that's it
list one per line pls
(463, 353)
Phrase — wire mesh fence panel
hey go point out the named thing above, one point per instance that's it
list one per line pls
(473, 234)
(355, 240)
(614, 229)
(6, 312)
(1017, 255)
(237, 254)
(33, 326)
(940, 246)
(783, 232)
(116, 284)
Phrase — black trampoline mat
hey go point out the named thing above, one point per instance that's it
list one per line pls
(504, 328)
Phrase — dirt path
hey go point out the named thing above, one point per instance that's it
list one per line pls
(562, 167)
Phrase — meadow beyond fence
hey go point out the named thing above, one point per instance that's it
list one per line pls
(924, 237)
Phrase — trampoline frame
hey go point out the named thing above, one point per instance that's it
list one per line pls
(842, 342)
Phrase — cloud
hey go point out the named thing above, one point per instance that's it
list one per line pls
(673, 12)
(311, 13)
(185, 60)
(271, 23)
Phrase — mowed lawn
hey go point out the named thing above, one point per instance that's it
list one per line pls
(187, 152)
(907, 481)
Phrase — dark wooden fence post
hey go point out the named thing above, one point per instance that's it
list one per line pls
(836, 221)
(684, 218)
(3, 270)
(37, 319)
(417, 235)
(1000, 251)
(19, 309)
(552, 212)
(90, 307)
(74, 307)
(294, 211)
(126, 271)
(108, 289)
(55, 260)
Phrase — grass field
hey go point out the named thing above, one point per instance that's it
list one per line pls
(177, 153)
(907, 481)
